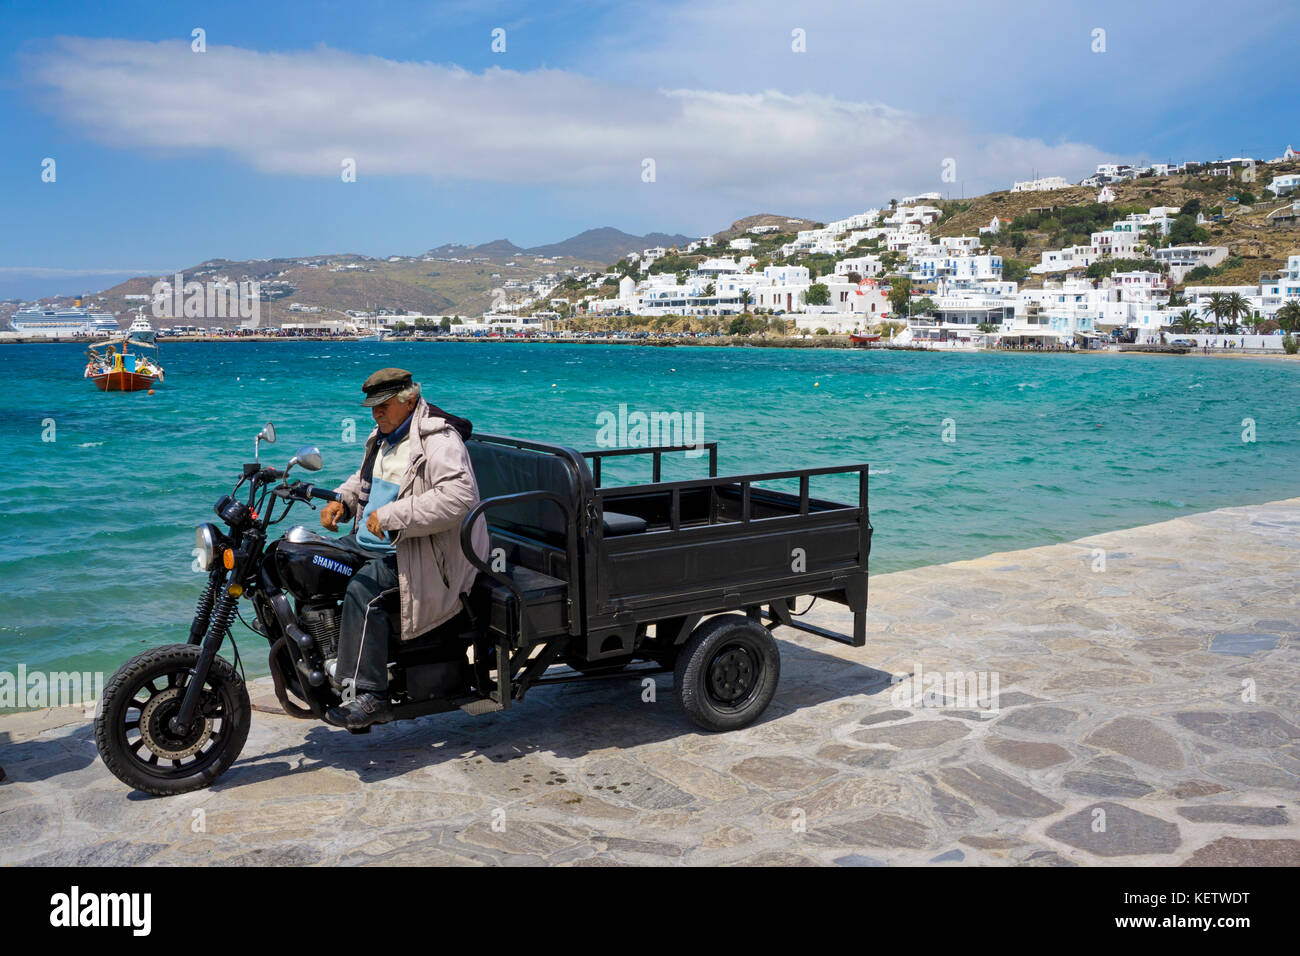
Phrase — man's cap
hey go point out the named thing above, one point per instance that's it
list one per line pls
(384, 384)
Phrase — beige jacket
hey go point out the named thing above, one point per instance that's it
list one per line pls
(435, 495)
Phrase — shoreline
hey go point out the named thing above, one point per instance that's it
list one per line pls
(1118, 691)
(833, 342)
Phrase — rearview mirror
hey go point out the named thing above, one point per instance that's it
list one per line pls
(308, 457)
(267, 435)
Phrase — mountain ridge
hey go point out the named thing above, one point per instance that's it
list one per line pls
(602, 244)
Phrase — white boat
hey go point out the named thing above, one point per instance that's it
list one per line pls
(140, 329)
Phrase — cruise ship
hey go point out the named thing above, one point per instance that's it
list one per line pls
(58, 322)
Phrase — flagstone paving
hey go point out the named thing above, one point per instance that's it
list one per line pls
(1147, 713)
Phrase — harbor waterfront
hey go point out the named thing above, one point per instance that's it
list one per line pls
(1121, 736)
(970, 455)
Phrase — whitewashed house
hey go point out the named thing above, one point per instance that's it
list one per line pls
(1064, 260)
(865, 266)
(1040, 185)
(1183, 259)
(1282, 185)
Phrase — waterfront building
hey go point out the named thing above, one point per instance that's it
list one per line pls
(1275, 293)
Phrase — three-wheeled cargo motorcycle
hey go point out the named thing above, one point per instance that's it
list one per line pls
(583, 582)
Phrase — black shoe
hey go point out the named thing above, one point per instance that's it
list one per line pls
(362, 711)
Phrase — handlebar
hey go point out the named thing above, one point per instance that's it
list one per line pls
(321, 494)
(302, 491)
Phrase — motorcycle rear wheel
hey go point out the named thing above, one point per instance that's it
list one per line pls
(131, 727)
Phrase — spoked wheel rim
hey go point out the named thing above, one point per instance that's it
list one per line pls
(153, 748)
(734, 675)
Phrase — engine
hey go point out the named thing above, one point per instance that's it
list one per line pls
(321, 621)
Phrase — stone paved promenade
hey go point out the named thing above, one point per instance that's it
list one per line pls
(1147, 714)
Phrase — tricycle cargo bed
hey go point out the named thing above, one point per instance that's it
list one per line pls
(596, 565)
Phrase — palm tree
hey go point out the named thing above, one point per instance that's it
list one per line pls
(1185, 321)
(1236, 305)
(745, 299)
(1289, 317)
(1217, 306)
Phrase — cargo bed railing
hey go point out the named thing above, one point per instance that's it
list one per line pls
(746, 483)
(656, 452)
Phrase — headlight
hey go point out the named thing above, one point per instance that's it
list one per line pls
(206, 537)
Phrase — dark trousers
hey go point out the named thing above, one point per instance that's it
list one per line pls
(365, 632)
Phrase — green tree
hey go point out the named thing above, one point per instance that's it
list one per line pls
(924, 306)
(1013, 270)
(818, 294)
(1019, 240)
(746, 325)
(1217, 306)
(745, 299)
(1288, 317)
(900, 295)
(1237, 307)
(1185, 321)
(1185, 231)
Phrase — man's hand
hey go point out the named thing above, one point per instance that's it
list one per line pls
(372, 525)
(330, 515)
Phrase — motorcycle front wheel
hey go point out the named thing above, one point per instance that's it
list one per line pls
(132, 732)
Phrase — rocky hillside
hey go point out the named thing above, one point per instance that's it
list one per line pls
(1243, 229)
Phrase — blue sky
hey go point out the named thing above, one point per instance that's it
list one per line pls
(165, 157)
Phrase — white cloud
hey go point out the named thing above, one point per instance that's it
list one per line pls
(302, 113)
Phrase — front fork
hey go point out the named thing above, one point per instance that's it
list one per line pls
(214, 614)
(203, 611)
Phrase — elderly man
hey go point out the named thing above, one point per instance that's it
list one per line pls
(406, 502)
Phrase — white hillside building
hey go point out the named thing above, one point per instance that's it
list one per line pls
(1183, 259)
(1283, 185)
(1040, 185)
(865, 266)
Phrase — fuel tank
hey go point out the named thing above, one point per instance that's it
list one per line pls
(315, 568)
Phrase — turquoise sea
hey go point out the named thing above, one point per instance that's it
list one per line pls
(97, 524)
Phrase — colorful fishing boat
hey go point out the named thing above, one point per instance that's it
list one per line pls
(114, 371)
(864, 338)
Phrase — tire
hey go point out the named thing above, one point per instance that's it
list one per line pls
(727, 672)
(153, 683)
